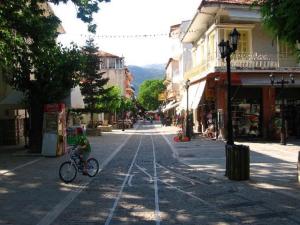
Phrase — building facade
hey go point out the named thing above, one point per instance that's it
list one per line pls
(114, 68)
(256, 104)
(175, 69)
(13, 112)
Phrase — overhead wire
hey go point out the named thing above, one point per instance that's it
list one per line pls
(134, 36)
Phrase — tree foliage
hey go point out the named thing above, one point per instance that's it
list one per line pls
(279, 16)
(85, 10)
(32, 60)
(111, 101)
(93, 84)
(28, 48)
(126, 105)
(148, 94)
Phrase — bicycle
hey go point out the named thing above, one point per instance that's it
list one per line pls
(68, 170)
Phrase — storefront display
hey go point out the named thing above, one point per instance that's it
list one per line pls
(246, 119)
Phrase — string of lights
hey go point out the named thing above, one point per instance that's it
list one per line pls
(122, 36)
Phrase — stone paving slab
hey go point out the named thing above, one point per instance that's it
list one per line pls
(30, 187)
(191, 185)
(272, 166)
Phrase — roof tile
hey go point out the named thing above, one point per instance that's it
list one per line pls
(236, 2)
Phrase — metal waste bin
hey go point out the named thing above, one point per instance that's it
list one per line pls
(237, 162)
(298, 167)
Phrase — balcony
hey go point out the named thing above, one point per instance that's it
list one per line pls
(204, 66)
(245, 62)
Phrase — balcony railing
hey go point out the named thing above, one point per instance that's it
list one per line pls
(245, 61)
(261, 61)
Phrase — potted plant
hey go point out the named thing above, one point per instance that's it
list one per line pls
(180, 137)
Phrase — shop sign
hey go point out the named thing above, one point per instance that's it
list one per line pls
(56, 107)
(209, 94)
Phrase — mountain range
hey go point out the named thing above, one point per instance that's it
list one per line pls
(147, 72)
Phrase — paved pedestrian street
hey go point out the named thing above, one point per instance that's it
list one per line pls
(147, 178)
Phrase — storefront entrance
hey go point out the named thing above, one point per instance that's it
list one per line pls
(246, 112)
(292, 111)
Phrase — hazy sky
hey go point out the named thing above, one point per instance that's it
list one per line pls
(124, 20)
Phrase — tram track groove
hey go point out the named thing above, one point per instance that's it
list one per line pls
(115, 204)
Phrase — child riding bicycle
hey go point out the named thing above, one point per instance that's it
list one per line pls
(83, 148)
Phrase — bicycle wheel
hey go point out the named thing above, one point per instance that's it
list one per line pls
(67, 172)
(92, 167)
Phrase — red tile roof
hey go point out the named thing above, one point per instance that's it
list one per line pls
(233, 2)
(106, 54)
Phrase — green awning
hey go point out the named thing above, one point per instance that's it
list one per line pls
(14, 98)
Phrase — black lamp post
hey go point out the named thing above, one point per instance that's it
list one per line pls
(226, 49)
(282, 82)
(187, 127)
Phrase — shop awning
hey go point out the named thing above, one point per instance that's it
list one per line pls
(171, 105)
(264, 80)
(235, 78)
(195, 94)
(13, 98)
(192, 93)
(198, 95)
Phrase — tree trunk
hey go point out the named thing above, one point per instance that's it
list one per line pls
(92, 120)
(67, 117)
(36, 127)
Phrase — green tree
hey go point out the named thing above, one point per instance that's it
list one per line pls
(280, 18)
(148, 94)
(126, 105)
(92, 85)
(111, 101)
(32, 60)
(85, 10)
(114, 102)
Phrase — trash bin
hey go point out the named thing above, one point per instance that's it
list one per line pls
(237, 162)
(298, 167)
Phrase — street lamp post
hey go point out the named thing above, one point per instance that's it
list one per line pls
(282, 82)
(237, 156)
(187, 127)
(226, 49)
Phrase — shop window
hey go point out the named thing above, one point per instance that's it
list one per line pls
(246, 119)
(292, 117)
